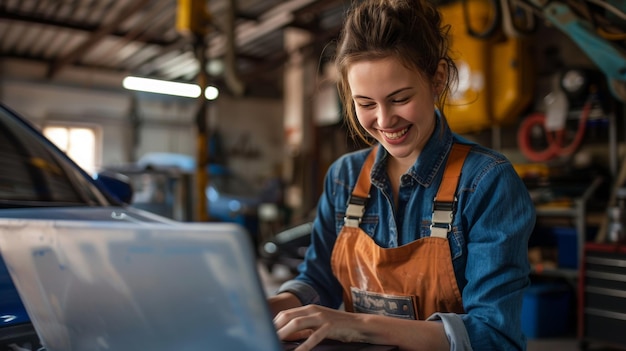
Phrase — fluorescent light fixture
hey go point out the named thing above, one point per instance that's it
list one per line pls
(161, 87)
(169, 88)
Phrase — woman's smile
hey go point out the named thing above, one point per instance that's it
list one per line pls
(396, 137)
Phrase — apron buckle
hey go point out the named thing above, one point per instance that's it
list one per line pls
(355, 210)
(443, 214)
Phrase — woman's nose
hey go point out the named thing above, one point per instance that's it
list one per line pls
(384, 116)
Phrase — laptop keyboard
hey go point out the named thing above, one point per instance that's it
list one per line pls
(290, 345)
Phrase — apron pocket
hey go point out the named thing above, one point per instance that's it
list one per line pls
(383, 304)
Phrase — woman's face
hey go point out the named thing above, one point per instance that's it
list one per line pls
(394, 104)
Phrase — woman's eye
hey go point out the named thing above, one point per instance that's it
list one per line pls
(400, 101)
(365, 105)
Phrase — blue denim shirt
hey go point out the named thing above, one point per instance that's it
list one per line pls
(489, 239)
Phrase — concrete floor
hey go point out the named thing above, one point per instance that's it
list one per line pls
(556, 344)
(553, 344)
(280, 274)
(567, 344)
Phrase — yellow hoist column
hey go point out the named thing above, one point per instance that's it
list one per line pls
(193, 19)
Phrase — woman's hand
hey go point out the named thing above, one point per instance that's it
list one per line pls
(316, 323)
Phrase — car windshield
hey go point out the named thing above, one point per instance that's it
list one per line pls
(35, 173)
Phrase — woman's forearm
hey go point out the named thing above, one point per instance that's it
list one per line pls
(406, 334)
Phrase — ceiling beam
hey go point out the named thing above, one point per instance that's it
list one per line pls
(95, 37)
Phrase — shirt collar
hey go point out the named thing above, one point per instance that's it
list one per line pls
(430, 161)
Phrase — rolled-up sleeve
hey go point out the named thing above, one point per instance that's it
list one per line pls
(455, 330)
(303, 291)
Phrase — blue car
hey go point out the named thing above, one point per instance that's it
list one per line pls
(38, 181)
(164, 183)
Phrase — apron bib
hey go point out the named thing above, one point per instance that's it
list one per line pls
(412, 281)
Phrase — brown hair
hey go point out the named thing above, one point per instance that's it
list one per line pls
(408, 30)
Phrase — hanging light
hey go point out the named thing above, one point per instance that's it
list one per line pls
(169, 88)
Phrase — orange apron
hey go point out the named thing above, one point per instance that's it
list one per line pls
(412, 281)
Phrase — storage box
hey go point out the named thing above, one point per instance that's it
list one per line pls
(567, 243)
(546, 310)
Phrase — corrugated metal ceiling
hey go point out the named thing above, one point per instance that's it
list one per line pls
(139, 36)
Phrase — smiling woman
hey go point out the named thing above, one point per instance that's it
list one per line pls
(422, 237)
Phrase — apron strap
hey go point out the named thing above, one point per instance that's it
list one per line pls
(444, 204)
(360, 193)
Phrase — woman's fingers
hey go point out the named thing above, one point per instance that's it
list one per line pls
(298, 320)
(310, 323)
(315, 338)
(286, 316)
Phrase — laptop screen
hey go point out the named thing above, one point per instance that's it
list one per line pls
(129, 286)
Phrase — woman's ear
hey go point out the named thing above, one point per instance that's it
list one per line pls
(440, 77)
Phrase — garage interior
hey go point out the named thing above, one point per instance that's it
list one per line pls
(276, 123)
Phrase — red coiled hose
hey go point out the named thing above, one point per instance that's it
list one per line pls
(555, 140)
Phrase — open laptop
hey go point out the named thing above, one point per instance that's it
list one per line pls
(140, 286)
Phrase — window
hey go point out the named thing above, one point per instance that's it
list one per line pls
(78, 142)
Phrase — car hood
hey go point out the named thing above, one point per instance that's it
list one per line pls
(12, 311)
(111, 213)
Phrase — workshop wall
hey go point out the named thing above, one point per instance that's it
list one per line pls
(552, 52)
(131, 124)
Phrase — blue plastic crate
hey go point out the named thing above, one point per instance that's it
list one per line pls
(546, 310)
(567, 244)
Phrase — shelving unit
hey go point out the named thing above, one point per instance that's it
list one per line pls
(576, 213)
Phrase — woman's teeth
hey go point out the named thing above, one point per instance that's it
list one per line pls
(395, 135)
